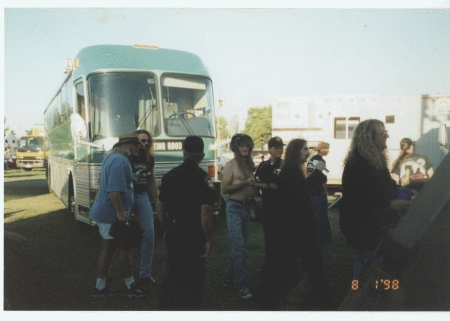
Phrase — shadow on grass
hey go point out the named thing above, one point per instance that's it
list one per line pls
(56, 269)
(17, 190)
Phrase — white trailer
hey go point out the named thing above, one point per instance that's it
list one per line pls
(333, 119)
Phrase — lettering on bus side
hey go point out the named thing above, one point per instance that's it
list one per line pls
(168, 145)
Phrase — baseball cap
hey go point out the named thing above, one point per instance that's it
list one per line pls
(193, 144)
(128, 138)
(405, 143)
(275, 142)
(322, 145)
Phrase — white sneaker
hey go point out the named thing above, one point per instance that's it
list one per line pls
(245, 294)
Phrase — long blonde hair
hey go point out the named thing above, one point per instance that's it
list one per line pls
(364, 145)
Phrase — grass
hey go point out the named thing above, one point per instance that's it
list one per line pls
(56, 269)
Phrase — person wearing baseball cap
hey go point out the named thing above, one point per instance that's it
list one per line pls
(266, 177)
(185, 212)
(411, 170)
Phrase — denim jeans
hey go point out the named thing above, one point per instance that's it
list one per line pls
(238, 221)
(144, 213)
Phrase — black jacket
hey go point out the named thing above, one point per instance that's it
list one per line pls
(296, 212)
(364, 209)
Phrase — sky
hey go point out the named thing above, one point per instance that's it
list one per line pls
(254, 54)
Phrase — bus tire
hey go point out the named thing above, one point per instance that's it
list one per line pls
(49, 179)
(71, 199)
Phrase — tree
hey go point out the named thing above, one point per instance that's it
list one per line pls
(5, 128)
(259, 125)
(234, 126)
(223, 131)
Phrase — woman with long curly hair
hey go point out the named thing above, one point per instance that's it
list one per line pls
(145, 189)
(369, 203)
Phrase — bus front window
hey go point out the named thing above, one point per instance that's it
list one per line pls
(187, 106)
(121, 102)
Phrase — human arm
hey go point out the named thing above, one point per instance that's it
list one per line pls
(399, 205)
(206, 220)
(430, 172)
(153, 187)
(161, 212)
(116, 200)
(396, 178)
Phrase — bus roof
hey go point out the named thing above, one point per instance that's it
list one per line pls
(120, 57)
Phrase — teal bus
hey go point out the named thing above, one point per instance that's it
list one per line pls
(115, 89)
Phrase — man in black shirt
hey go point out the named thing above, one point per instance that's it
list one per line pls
(184, 211)
(266, 176)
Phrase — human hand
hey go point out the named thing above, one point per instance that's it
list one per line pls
(273, 186)
(320, 165)
(250, 182)
(413, 193)
(122, 216)
(207, 248)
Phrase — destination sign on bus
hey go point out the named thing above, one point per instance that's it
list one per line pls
(168, 145)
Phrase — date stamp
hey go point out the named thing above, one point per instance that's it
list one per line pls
(379, 285)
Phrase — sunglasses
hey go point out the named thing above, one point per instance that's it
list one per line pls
(144, 141)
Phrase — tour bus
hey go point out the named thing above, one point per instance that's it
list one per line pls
(333, 118)
(32, 151)
(115, 89)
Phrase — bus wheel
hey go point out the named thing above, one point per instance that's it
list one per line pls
(71, 200)
(49, 179)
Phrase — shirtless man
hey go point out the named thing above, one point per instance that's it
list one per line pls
(238, 183)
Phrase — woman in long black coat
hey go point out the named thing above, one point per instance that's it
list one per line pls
(298, 234)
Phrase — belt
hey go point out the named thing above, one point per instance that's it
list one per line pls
(240, 202)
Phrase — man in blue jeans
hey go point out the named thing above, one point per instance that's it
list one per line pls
(238, 183)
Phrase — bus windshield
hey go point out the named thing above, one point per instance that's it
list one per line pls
(31, 144)
(122, 102)
(187, 106)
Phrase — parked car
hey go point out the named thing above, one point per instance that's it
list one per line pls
(221, 161)
(10, 162)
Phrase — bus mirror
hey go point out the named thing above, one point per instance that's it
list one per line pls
(77, 126)
(442, 136)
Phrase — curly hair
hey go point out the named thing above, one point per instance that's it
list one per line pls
(149, 157)
(245, 163)
(364, 145)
